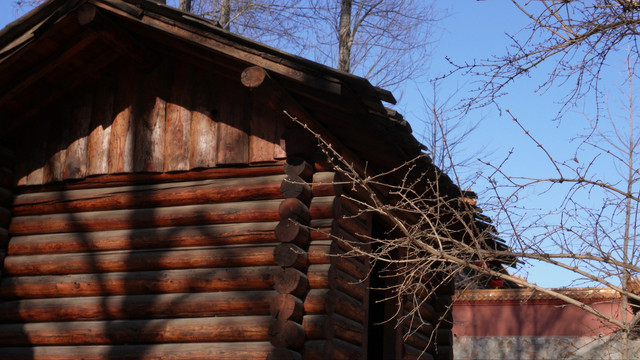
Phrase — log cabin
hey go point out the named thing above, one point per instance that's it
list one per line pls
(156, 201)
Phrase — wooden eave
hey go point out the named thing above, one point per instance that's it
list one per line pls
(316, 86)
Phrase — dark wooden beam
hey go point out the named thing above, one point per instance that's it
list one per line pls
(116, 36)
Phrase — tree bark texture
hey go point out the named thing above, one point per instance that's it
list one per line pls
(344, 36)
(185, 5)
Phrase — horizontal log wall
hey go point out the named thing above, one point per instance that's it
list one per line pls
(336, 307)
(7, 162)
(331, 268)
(174, 117)
(287, 332)
(149, 268)
(179, 351)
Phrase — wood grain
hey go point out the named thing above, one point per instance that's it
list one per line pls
(143, 282)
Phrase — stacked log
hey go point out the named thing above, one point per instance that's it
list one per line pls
(335, 318)
(175, 269)
(286, 332)
(427, 333)
(7, 161)
(343, 280)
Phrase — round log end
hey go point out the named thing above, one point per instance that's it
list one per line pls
(253, 76)
(290, 281)
(286, 334)
(286, 307)
(293, 208)
(295, 187)
(289, 255)
(86, 14)
(288, 231)
(296, 166)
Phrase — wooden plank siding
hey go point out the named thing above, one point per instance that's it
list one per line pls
(173, 117)
(99, 289)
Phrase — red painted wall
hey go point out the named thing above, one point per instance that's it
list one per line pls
(547, 317)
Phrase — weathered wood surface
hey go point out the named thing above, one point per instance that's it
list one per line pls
(324, 207)
(317, 327)
(178, 351)
(140, 196)
(284, 354)
(326, 301)
(238, 212)
(33, 168)
(75, 164)
(100, 127)
(349, 229)
(286, 333)
(114, 180)
(149, 331)
(204, 128)
(53, 167)
(425, 309)
(151, 121)
(286, 307)
(327, 252)
(253, 77)
(323, 276)
(263, 126)
(296, 187)
(417, 339)
(326, 183)
(233, 126)
(330, 326)
(121, 140)
(298, 167)
(288, 231)
(174, 116)
(140, 260)
(178, 120)
(290, 255)
(294, 209)
(290, 281)
(119, 307)
(314, 350)
(331, 349)
(143, 282)
(348, 330)
(150, 238)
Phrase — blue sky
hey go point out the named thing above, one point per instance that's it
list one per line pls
(476, 30)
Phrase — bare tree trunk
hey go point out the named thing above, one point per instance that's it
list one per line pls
(225, 14)
(344, 36)
(185, 5)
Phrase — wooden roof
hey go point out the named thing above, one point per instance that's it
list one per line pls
(49, 48)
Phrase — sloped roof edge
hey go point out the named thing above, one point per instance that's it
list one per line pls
(51, 10)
